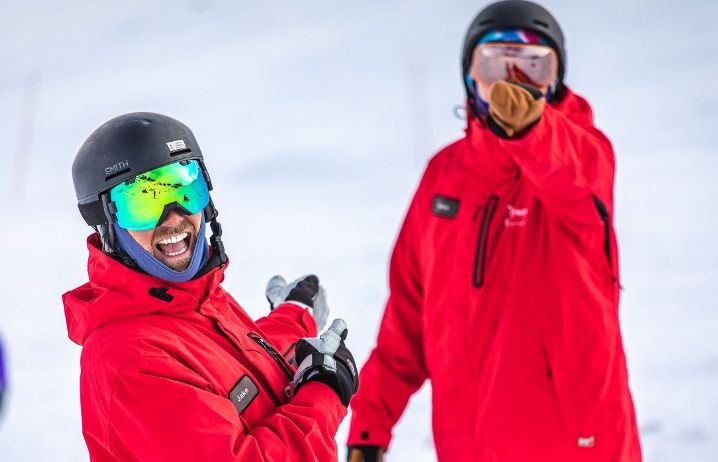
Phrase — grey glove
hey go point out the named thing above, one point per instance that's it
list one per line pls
(305, 291)
(326, 359)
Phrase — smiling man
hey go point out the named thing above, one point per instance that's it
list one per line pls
(173, 369)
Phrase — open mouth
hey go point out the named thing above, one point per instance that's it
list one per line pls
(174, 246)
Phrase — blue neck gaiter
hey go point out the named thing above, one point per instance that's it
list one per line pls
(156, 268)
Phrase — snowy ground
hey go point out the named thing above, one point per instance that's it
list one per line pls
(316, 119)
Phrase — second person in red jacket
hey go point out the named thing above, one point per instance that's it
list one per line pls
(504, 278)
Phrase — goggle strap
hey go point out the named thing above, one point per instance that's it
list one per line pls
(207, 179)
(93, 213)
(109, 208)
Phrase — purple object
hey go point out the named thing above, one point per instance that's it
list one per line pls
(2, 368)
(3, 382)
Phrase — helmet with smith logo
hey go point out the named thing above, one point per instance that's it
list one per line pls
(131, 145)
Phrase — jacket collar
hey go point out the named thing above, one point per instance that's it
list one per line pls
(116, 292)
(486, 155)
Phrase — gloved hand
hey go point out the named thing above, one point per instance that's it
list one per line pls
(326, 359)
(513, 107)
(305, 291)
(365, 454)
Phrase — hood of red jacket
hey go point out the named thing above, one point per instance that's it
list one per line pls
(115, 292)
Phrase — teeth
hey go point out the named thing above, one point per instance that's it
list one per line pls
(173, 239)
(173, 254)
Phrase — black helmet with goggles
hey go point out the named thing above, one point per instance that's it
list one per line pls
(134, 169)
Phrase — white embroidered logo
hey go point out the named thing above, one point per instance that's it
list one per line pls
(586, 441)
(515, 216)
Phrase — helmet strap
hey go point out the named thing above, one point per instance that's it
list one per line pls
(110, 247)
(215, 240)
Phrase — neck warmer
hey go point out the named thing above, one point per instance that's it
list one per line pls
(156, 268)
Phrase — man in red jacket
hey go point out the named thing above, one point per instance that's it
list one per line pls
(504, 278)
(173, 369)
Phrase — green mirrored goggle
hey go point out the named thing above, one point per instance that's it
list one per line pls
(142, 202)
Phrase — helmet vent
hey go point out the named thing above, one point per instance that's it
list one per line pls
(118, 173)
(540, 23)
(486, 22)
(180, 151)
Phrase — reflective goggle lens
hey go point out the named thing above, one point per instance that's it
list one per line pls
(535, 65)
(141, 202)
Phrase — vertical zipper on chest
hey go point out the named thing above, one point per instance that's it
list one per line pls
(603, 213)
(483, 240)
(606, 219)
(277, 356)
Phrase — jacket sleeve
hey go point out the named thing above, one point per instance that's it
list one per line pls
(163, 416)
(395, 369)
(285, 325)
(568, 164)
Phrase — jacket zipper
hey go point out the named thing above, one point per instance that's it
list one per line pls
(278, 358)
(289, 355)
(483, 240)
(605, 218)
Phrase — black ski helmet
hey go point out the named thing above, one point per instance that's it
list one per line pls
(123, 148)
(515, 14)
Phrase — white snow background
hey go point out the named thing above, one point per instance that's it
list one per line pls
(316, 119)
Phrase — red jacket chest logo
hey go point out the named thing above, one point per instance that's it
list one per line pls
(515, 216)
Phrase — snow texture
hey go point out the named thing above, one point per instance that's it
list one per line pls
(316, 119)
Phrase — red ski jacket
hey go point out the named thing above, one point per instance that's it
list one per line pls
(179, 372)
(504, 293)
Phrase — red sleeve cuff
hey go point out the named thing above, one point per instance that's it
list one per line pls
(360, 435)
(319, 395)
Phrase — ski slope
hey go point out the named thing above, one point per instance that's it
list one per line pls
(316, 119)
